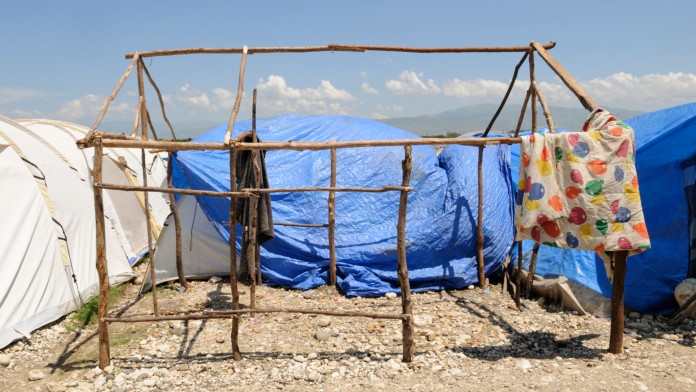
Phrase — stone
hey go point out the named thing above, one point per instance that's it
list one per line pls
(215, 279)
(685, 290)
(639, 326)
(35, 375)
(422, 320)
(313, 376)
(634, 315)
(322, 334)
(136, 358)
(220, 339)
(109, 369)
(100, 382)
(312, 356)
(299, 358)
(150, 382)
(5, 360)
(390, 295)
(324, 321)
(523, 364)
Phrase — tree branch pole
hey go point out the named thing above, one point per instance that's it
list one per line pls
(507, 94)
(335, 48)
(587, 102)
(234, 334)
(252, 230)
(238, 99)
(520, 120)
(532, 86)
(545, 108)
(617, 302)
(177, 225)
(136, 120)
(102, 268)
(146, 207)
(161, 101)
(226, 314)
(518, 277)
(152, 127)
(402, 272)
(257, 172)
(112, 96)
(332, 221)
(532, 268)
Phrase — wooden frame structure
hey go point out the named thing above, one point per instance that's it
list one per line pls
(100, 140)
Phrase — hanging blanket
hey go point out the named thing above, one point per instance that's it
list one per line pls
(580, 190)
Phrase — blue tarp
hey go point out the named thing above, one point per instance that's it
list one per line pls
(442, 209)
(664, 139)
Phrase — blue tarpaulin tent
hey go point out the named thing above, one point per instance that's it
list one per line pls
(442, 208)
(665, 151)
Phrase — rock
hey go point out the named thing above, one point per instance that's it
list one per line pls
(5, 360)
(523, 364)
(100, 382)
(312, 356)
(390, 295)
(215, 279)
(299, 358)
(685, 290)
(220, 339)
(634, 315)
(322, 334)
(109, 369)
(470, 287)
(150, 382)
(393, 364)
(313, 376)
(335, 332)
(324, 321)
(640, 326)
(422, 320)
(136, 358)
(35, 375)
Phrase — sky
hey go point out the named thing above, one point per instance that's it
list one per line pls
(61, 59)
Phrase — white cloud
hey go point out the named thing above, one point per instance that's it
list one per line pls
(10, 94)
(379, 116)
(369, 89)
(88, 106)
(624, 88)
(276, 96)
(193, 96)
(410, 82)
(363, 74)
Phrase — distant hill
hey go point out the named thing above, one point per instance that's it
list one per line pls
(476, 118)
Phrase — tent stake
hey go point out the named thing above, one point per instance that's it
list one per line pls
(102, 268)
(406, 304)
(617, 302)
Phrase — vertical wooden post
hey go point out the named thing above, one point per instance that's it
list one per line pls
(332, 221)
(257, 173)
(532, 81)
(518, 277)
(479, 223)
(102, 269)
(177, 224)
(252, 230)
(406, 304)
(234, 334)
(617, 302)
(532, 268)
(143, 126)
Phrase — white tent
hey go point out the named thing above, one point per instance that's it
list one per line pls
(47, 236)
(203, 252)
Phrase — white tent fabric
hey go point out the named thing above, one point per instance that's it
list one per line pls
(47, 236)
(203, 252)
(125, 210)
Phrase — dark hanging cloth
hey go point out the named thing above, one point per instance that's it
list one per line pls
(246, 178)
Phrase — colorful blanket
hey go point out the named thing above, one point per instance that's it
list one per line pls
(580, 190)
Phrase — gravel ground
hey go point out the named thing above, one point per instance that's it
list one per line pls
(465, 340)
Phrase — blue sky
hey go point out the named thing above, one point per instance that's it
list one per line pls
(62, 58)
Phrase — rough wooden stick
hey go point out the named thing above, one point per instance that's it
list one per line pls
(177, 224)
(234, 334)
(532, 79)
(388, 188)
(507, 94)
(161, 101)
(102, 268)
(112, 96)
(136, 120)
(684, 311)
(617, 302)
(545, 108)
(518, 277)
(480, 265)
(180, 191)
(520, 120)
(257, 172)
(587, 102)
(335, 48)
(300, 224)
(238, 100)
(152, 127)
(405, 285)
(532, 269)
(153, 280)
(228, 314)
(332, 221)
(186, 146)
(143, 104)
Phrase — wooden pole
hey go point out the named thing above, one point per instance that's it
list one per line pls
(518, 277)
(146, 207)
(405, 285)
(251, 192)
(507, 94)
(102, 268)
(161, 101)
(617, 302)
(520, 120)
(532, 268)
(532, 80)
(136, 120)
(234, 334)
(335, 48)
(226, 314)
(257, 172)
(479, 224)
(587, 102)
(152, 127)
(112, 96)
(332, 222)
(181, 191)
(545, 108)
(238, 99)
(177, 225)
(300, 224)
(251, 231)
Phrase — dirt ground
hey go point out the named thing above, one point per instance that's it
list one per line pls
(467, 340)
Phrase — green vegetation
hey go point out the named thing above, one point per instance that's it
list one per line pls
(87, 313)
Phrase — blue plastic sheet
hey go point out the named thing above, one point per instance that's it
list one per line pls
(442, 208)
(664, 139)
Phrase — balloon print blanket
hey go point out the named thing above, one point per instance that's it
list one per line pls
(580, 190)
